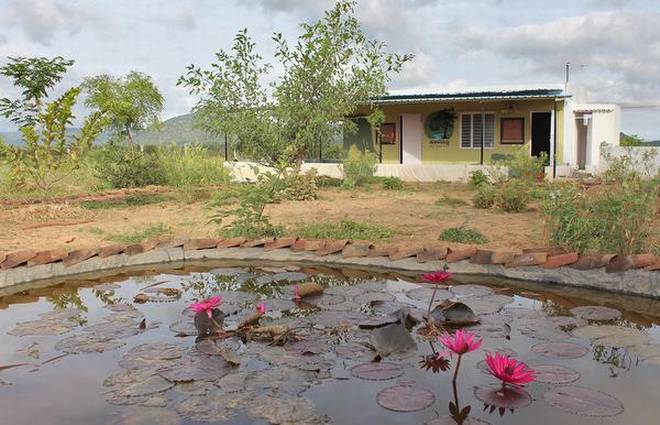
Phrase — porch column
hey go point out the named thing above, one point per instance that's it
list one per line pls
(553, 141)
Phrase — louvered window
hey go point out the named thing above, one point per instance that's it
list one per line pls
(476, 125)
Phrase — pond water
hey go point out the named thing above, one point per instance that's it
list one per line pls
(83, 352)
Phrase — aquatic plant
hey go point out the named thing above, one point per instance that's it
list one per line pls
(462, 342)
(261, 308)
(509, 370)
(436, 278)
(207, 305)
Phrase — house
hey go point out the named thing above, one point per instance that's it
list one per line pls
(432, 135)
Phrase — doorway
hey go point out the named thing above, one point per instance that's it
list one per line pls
(412, 133)
(541, 130)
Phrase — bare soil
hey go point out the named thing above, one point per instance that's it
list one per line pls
(411, 213)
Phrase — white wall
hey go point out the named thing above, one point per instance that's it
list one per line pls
(650, 167)
(604, 127)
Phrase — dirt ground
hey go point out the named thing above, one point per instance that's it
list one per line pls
(412, 214)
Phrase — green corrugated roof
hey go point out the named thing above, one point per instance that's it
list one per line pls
(474, 95)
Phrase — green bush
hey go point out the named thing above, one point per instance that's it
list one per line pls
(477, 178)
(392, 183)
(345, 229)
(359, 167)
(119, 166)
(485, 196)
(463, 235)
(523, 166)
(327, 181)
(513, 196)
(289, 185)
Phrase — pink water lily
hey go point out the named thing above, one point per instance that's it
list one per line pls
(437, 277)
(509, 370)
(207, 305)
(460, 343)
(296, 293)
(261, 308)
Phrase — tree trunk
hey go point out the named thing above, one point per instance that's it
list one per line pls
(129, 137)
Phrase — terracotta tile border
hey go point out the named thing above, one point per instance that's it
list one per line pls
(345, 251)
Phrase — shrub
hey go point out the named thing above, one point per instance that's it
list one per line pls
(485, 196)
(463, 235)
(127, 202)
(151, 231)
(358, 167)
(327, 181)
(522, 165)
(345, 229)
(290, 185)
(119, 166)
(513, 196)
(392, 183)
(477, 178)
(450, 201)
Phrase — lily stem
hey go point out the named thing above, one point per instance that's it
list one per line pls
(428, 312)
(458, 366)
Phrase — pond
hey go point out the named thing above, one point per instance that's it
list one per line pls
(91, 352)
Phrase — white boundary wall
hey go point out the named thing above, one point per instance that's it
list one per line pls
(636, 153)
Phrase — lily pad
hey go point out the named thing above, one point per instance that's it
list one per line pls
(463, 291)
(612, 336)
(281, 410)
(560, 350)
(448, 420)
(153, 384)
(184, 328)
(596, 313)
(372, 297)
(405, 398)
(392, 339)
(354, 351)
(458, 314)
(503, 397)
(207, 408)
(289, 277)
(87, 344)
(151, 356)
(488, 304)
(381, 371)
(424, 294)
(583, 401)
(279, 304)
(551, 374)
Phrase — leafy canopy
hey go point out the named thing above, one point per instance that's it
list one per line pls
(330, 71)
(131, 103)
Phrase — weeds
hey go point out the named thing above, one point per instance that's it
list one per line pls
(127, 202)
(359, 168)
(392, 183)
(477, 178)
(485, 196)
(345, 229)
(513, 196)
(450, 201)
(463, 235)
(151, 231)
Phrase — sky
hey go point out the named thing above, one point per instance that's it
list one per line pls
(613, 45)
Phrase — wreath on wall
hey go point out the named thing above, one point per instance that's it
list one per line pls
(439, 125)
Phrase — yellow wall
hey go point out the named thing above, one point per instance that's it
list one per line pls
(453, 153)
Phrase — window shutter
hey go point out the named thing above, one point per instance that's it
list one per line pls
(489, 140)
(466, 130)
(476, 134)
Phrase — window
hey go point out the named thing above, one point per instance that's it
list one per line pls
(472, 126)
(512, 131)
(388, 134)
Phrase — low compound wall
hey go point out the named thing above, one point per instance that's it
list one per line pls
(633, 281)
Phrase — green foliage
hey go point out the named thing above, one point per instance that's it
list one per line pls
(327, 181)
(450, 201)
(345, 229)
(288, 185)
(131, 103)
(477, 178)
(127, 202)
(485, 196)
(631, 140)
(49, 155)
(463, 235)
(119, 166)
(632, 167)
(522, 165)
(358, 167)
(327, 74)
(35, 77)
(249, 219)
(149, 232)
(392, 183)
(514, 196)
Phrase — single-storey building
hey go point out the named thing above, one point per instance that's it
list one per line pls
(429, 135)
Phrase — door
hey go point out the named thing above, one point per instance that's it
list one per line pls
(582, 130)
(541, 133)
(412, 132)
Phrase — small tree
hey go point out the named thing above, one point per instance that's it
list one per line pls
(131, 103)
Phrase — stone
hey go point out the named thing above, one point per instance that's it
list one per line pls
(307, 245)
(17, 258)
(141, 247)
(255, 243)
(528, 259)
(550, 251)
(356, 249)
(382, 250)
(109, 250)
(619, 263)
(454, 255)
(202, 243)
(591, 261)
(78, 256)
(431, 254)
(481, 256)
(279, 243)
(653, 267)
(404, 252)
(332, 247)
(560, 260)
(643, 260)
(231, 243)
(47, 257)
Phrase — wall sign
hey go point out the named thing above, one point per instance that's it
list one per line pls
(439, 126)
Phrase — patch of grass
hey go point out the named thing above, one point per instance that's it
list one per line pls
(463, 235)
(345, 229)
(127, 202)
(392, 183)
(450, 201)
(151, 231)
(95, 230)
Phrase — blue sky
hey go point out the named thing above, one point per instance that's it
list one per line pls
(458, 44)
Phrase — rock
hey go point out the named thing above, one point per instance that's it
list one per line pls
(109, 250)
(307, 245)
(231, 243)
(279, 243)
(560, 260)
(203, 243)
(643, 260)
(47, 257)
(257, 242)
(331, 247)
(431, 254)
(404, 252)
(455, 255)
(528, 259)
(619, 263)
(78, 256)
(17, 258)
(356, 249)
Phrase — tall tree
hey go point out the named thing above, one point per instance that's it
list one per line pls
(331, 71)
(131, 103)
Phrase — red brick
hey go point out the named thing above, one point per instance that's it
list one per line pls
(382, 250)
(404, 252)
(431, 254)
(591, 261)
(231, 242)
(257, 242)
(203, 243)
(560, 260)
(356, 249)
(78, 256)
(331, 247)
(47, 257)
(455, 255)
(279, 243)
(643, 260)
(528, 259)
(175, 243)
(109, 250)
(619, 263)
(482, 256)
(307, 245)
(3, 255)
(653, 267)
(17, 258)
(551, 251)
(141, 247)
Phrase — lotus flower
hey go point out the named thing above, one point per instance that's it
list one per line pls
(509, 370)
(207, 305)
(461, 342)
(261, 308)
(437, 277)
(296, 293)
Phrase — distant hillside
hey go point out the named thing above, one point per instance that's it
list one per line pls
(177, 130)
(633, 140)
